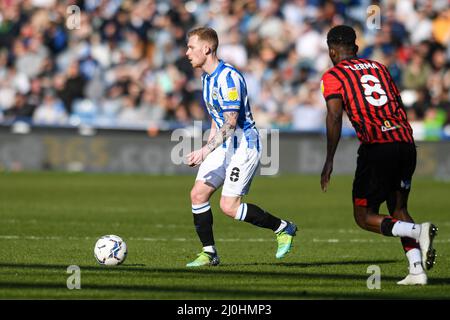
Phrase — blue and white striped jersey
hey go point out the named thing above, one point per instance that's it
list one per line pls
(225, 90)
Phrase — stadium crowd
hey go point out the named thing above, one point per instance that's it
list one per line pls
(125, 64)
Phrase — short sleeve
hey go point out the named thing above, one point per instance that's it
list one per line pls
(331, 87)
(230, 91)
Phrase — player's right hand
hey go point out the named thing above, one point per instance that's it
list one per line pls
(326, 175)
(192, 159)
(195, 158)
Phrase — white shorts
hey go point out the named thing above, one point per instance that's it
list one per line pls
(234, 167)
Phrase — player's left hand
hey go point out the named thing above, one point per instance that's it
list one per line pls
(326, 175)
(196, 158)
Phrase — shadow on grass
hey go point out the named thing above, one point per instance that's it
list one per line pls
(285, 274)
(136, 267)
(313, 264)
(202, 292)
(285, 270)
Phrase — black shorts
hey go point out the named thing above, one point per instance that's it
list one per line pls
(382, 168)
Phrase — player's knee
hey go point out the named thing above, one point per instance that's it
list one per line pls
(360, 222)
(360, 218)
(229, 207)
(198, 197)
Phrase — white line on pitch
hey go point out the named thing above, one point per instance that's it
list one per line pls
(15, 237)
(330, 240)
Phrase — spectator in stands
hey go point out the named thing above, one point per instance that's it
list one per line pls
(21, 109)
(122, 48)
(422, 103)
(129, 114)
(51, 111)
(150, 107)
(73, 87)
(416, 74)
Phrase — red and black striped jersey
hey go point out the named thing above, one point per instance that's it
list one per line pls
(370, 99)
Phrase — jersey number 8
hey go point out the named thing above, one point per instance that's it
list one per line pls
(375, 88)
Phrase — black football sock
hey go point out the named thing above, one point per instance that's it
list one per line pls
(386, 226)
(203, 221)
(255, 215)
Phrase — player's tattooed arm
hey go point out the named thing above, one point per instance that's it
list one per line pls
(212, 131)
(216, 139)
(223, 133)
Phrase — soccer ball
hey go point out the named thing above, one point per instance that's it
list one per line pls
(110, 250)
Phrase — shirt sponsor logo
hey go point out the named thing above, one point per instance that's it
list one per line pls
(388, 127)
(384, 129)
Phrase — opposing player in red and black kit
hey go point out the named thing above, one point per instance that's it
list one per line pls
(386, 161)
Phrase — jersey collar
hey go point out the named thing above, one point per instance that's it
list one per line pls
(219, 66)
(348, 59)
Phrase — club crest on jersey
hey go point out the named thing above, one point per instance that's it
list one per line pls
(215, 93)
(405, 184)
(232, 94)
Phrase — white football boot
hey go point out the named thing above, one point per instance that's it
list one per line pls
(427, 233)
(414, 279)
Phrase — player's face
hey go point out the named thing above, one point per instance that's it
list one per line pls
(197, 51)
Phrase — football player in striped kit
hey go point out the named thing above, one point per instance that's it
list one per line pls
(231, 155)
(365, 90)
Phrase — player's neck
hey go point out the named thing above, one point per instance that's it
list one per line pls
(211, 65)
(347, 57)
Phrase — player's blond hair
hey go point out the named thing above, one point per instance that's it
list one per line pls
(206, 34)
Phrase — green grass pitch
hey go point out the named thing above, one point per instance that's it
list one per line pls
(49, 221)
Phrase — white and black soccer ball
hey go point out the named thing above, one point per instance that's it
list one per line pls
(110, 250)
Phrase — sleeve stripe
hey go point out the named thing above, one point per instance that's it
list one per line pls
(231, 103)
(331, 73)
(228, 110)
(230, 81)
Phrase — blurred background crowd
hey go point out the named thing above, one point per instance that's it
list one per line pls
(125, 66)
